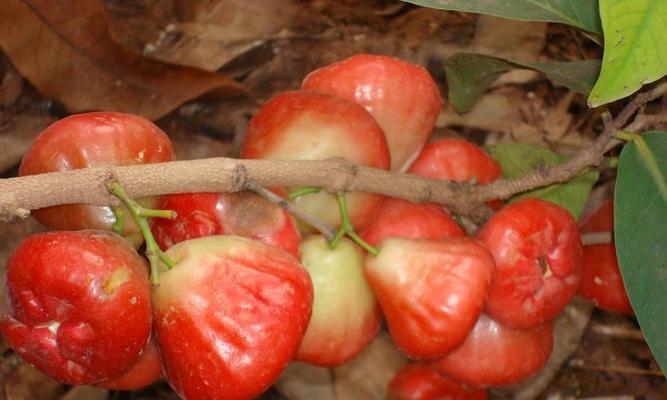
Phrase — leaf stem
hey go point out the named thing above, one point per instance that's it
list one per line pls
(302, 192)
(648, 158)
(140, 216)
(346, 228)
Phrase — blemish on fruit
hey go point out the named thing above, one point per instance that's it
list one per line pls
(119, 276)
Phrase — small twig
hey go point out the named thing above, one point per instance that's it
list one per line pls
(597, 238)
(621, 332)
(325, 229)
(641, 123)
(620, 369)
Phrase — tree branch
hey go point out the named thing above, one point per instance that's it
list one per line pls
(20, 195)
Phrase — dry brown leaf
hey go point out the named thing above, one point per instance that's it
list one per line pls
(16, 136)
(65, 50)
(367, 376)
(27, 383)
(85, 393)
(201, 33)
(302, 381)
(10, 87)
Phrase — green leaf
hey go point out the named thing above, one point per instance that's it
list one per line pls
(518, 159)
(640, 226)
(579, 13)
(469, 75)
(635, 47)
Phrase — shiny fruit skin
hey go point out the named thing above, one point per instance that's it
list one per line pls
(419, 381)
(346, 316)
(521, 236)
(601, 280)
(79, 305)
(230, 316)
(241, 214)
(402, 218)
(457, 160)
(430, 292)
(401, 96)
(495, 355)
(90, 140)
(304, 125)
(146, 371)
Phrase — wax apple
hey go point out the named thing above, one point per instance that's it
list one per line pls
(421, 382)
(241, 214)
(495, 355)
(229, 316)
(401, 96)
(430, 292)
(304, 125)
(402, 218)
(601, 280)
(79, 305)
(145, 371)
(539, 257)
(346, 316)
(88, 140)
(456, 160)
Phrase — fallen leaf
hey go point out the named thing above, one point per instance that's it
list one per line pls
(27, 383)
(85, 393)
(66, 52)
(302, 381)
(368, 375)
(16, 136)
(201, 33)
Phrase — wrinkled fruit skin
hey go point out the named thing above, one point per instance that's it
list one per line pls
(521, 236)
(421, 382)
(229, 316)
(346, 316)
(146, 371)
(457, 160)
(601, 280)
(89, 140)
(79, 305)
(495, 355)
(241, 214)
(304, 125)
(430, 292)
(402, 218)
(401, 96)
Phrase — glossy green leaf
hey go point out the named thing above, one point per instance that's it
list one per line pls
(579, 13)
(635, 47)
(469, 75)
(640, 225)
(517, 159)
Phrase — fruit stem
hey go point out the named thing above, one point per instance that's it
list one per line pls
(302, 192)
(119, 224)
(346, 228)
(140, 216)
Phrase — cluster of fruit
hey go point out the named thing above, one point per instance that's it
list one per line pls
(244, 289)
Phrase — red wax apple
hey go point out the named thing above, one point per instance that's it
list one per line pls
(601, 280)
(242, 214)
(79, 305)
(401, 96)
(346, 316)
(421, 382)
(304, 125)
(146, 371)
(457, 160)
(430, 292)
(88, 140)
(229, 316)
(539, 258)
(402, 218)
(495, 355)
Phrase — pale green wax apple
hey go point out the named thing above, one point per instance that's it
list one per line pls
(346, 316)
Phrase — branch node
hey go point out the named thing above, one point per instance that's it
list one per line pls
(240, 178)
